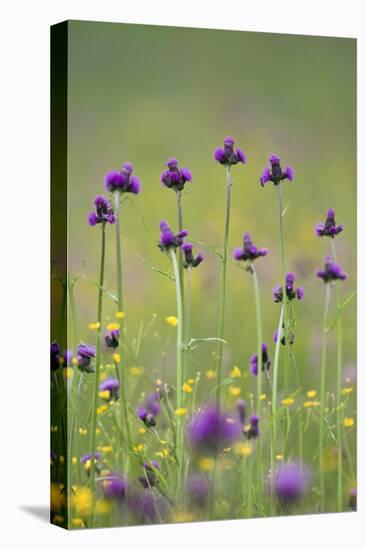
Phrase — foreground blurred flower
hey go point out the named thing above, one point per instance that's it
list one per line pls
(168, 240)
(109, 389)
(104, 212)
(123, 181)
(198, 489)
(189, 259)
(175, 177)
(227, 155)
(55, 356)
(331, 271)
(249, 251)
(211, 430)
(329, 228)
(149, 507)
(291, 292)
(115, 486)
(266, 363)
(85, 353)
(290, 482)
(274, 172)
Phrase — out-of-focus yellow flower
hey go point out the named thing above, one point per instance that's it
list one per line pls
(93, 326)
(68, 373)
(83, 431)
(206, 464)
(106, 449)
(279, 456)
(120, 314)
(139, 448)
(181, 411)
(172, 320)
(348, 422)
(263, 397)
(210, 374)
(103, 507)
(163, 453)
(62, 459)
(77, 522)
(58, 499)
(74, 460)
(61, 360)
(309, 404)
(183, 517)
(242, 449)
(102, 409)
(116, 358)
(330, 459)
(81, 501)
(234, 390)
(187, 388)
(136, 371)
(288, 401)
(191, 381)
(75, 361)
(235, 372)
(54, 428)
(105, 394)
(58, 519)
(346, 390)
(142, 431)
(311, 394)
(97, 431)
(113, 326)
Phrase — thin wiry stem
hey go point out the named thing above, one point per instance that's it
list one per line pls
(323, 371)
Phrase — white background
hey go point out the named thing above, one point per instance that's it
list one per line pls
(24, 271)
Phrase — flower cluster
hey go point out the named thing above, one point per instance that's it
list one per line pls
(150, 409)
(175, 177)
(211, 430)
(266, 363)
(274, 172)
(168, 240)
(227, 155)
(291, 292)
(331, 272)
(123, 181)
(189, 259)
(85, 354)
(329, 228)
(249, 251)
(104, 212)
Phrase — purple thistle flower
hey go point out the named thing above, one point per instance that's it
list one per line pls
(241, 408)
(249, 252)
(291, 291)
(329, 228)
(112, 339)
(115, 486)
(85, 353)
(149, 479)
(290, 483)
(266, 363)
(147, 418)
(210, 430)
(104, 212)
(290, 338)
(274, 172)
(112, 386)
(227, 155)
(86, 461)
(55, 356)
(168, 239)
(252, 430)
(150, 409)
(68, 355)
(123, 181)
(149, 507)
(198, 489)
(189, 259)
(331, 272)
(175, 178)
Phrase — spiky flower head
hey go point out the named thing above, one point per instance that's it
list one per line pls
(85, 354)
(189, 259)
(291, 291)
(331, 272)
(266, 362)
(274, 172)
(169, 240)
(227, 155)
(111, 339)
(290, 482)
(123, 181)
(251, 431)
(249, 252)
(103, 212)
(111, 388)
(211, 430)
(175, 178)
(329, 228)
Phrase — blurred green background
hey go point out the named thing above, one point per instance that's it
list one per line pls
(147, 93)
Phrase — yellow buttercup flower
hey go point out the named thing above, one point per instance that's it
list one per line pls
(68, 373)
(83, 431)
(77, 522)
(346, 391)
(181, 412)
(263, 397)
(288, 401)
(187, 388)
(206, 464)
(105, 394)
(191, 381)
(74, 460)
(139, 448)
(106, 449)
(348, 422)
(234, 390)
(74, 361)
(164, 453)
(142, 431)
(113, 326)
(242, 449)
(210, 374)
(311, 394)
(116, 358)
(81, 501)
(172, 320)
(279, 457)
(309, 404)
(136, 371)
(93, 326)
(102, 409)
(120, 314)
(235, 372)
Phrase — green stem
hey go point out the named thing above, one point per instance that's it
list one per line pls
(180, 379)
(223, 285)
(274, 408)
(339, 390)
(97, 365)
(322, 398)
(118, 251)
(181, 274)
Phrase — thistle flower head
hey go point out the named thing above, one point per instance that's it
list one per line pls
(266, 363)
(331, 271)
(68, 355)
(175, 177)
(211, 430)
(103, 212)
(111, 339)
(55, 356)
(85, 354)
(227, 155)
(249, 252)
(169, 240)
(189, 259)
(111, 386)
(290, 482)
(329, 228)
(274, 172)
(148, 506)
(123, 181)
(251, 431)
(198, 489)
(291, 291)
(115, 486)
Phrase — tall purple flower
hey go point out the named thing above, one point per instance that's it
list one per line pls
(274, 172)
(290, 483)
(110, 385)
(291, 291)
(150, 409)
(112, 339)
(331, 271)
(103, 212)
(211, 430)
(55, 356)
(249, 252)
(329, 228)
(198, 489)
(148, 506)
(168, 239)
(115, 486)
(189, 259)
(123, 181)
(227, 155)
(175, 177)
(266, 363)
(251, 431)
(85, 354)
